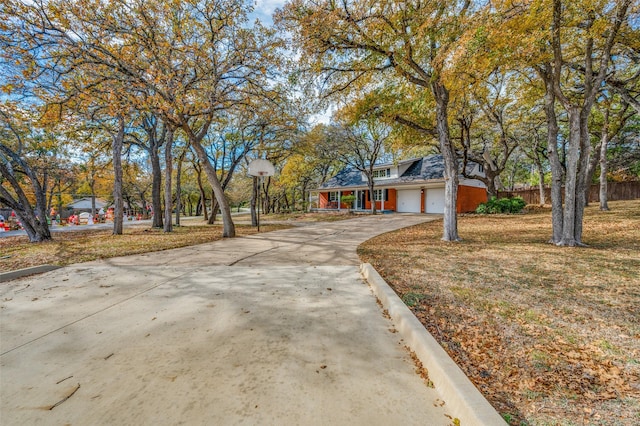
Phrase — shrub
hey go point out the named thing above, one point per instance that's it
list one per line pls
(348, 200)
(502, 205)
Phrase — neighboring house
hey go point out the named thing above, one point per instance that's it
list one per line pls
(410, 186)
(84, 204)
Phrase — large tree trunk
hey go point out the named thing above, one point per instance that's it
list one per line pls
(118, 204)
(571, 199)
(156, 185)
(576, 182)
(34, 221)
(254, 202)
(372, 198)
(557, 171)
(214, 211)
(492, 173)
(93, 200)
(604, 141)
(266, 198)
(168, 170)
(577, 160)
(593, 165)
(203, 194)
(37, 230)
(229, 229)
(450, 222)
(582, 190)
(540, 170)
(179, 187)
(490, 181)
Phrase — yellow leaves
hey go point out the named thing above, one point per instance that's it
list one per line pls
(7, 88)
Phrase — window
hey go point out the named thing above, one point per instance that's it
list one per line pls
(333, 197)
(382, 173)
(480, 168)
(378, 194)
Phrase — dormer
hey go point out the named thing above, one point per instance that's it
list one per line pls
(383, 171)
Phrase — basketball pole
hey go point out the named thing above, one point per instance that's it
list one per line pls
(259, 199)
(260, 168)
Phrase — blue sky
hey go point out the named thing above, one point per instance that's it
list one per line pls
(265, 8)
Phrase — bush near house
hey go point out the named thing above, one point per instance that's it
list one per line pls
(348, 200)
(501, 205)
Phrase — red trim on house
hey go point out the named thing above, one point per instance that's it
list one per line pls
(469, 197)
(390, 202)
(324, 203)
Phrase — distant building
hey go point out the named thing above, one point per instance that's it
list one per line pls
(84, 204)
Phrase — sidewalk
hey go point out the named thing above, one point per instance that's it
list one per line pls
(277, 328)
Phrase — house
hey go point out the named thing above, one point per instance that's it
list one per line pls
(411, 186)
(84, 204)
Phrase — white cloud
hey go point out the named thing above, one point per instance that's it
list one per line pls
(264, 9)
(268, 6)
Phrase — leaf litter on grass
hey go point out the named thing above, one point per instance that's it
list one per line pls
(81, 246)
(550, 335)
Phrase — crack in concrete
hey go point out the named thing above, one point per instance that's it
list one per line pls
(133, 296)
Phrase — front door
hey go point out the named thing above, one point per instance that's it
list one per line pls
(360, 200)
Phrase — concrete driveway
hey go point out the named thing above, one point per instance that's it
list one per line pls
(277, 328)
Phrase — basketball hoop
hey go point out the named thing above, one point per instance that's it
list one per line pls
(260, 168)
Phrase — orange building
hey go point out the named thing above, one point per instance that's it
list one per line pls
(411, 186)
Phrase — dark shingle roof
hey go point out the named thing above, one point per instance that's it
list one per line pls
(414, 169)
(346, 177)
(422, 169)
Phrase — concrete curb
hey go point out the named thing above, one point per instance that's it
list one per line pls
(455, 387)
(8, 276)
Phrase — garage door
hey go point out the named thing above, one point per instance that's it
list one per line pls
(408, 201)
(434, 201)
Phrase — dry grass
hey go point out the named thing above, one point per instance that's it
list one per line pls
(73, 247)
(550, 335)
(329, 216)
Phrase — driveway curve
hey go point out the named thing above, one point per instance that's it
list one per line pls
(276, 328)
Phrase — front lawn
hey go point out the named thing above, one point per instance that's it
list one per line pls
(550, 335)
(86, 244)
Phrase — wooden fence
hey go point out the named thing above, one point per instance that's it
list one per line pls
(615, 191)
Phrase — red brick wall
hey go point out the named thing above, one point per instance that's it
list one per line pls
(324, 203)
(469, 198)
(390, 204)
(323, 200)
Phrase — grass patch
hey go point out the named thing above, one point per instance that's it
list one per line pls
(412, 299)
(309, 217)
(86, 245)
(525, 318)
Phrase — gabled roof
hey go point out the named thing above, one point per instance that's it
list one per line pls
(346, 177)
(85, 203)
(424, 169)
